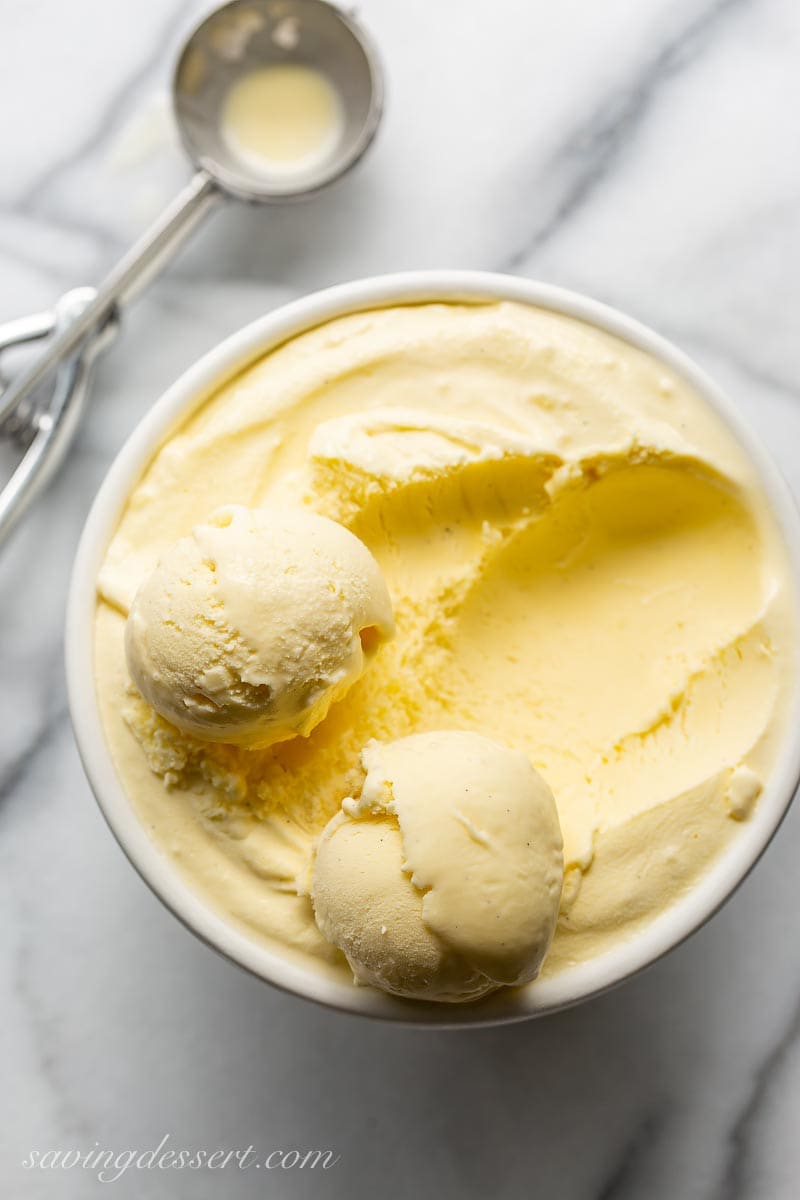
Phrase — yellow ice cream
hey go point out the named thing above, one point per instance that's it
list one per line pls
(582, 567)
(253, 625)
(282, 118)
(442, 880)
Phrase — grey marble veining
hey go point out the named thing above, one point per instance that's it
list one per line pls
(642, 153)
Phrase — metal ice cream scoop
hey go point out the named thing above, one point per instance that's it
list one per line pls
(230, 45)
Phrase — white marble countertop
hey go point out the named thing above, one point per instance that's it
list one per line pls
(643, 153)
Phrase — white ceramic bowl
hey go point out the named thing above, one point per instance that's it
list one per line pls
(579, 983)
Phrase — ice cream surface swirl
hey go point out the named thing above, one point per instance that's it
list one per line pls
(582, 567)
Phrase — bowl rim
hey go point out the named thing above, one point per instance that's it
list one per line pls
(575, 984)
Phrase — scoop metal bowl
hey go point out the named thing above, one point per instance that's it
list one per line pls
(248, 34)
(226, 46)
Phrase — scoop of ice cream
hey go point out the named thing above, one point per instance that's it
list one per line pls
(251, 627)
(442, 880)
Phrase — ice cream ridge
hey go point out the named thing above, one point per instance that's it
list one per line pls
(446, 646)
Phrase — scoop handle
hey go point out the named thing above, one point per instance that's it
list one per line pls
(48, 431)
(132, 273)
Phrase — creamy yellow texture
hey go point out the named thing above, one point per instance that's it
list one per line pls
(282, 118)
(581, 566)
(442, 880)
(250, 628)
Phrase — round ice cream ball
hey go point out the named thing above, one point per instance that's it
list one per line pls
(249, 628)
(442, 881)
